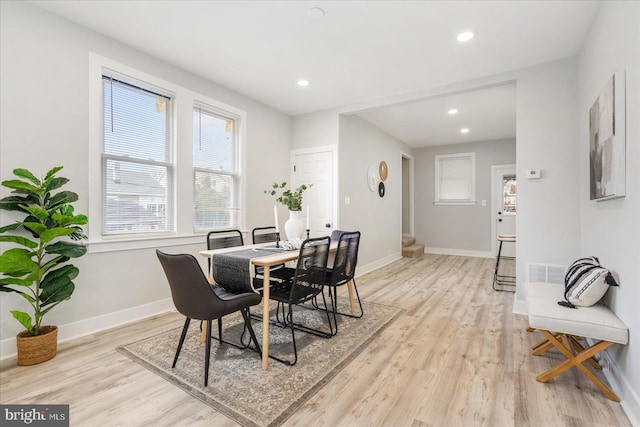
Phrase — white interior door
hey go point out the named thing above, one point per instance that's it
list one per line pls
(505, 206)
(316, 168)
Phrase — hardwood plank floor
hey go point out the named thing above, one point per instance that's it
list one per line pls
(456, 357)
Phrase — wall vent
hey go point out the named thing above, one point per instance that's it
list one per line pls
(545, 273)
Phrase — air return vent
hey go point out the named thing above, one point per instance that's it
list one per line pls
(545, 273)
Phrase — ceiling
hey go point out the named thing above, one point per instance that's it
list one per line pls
(359, 52)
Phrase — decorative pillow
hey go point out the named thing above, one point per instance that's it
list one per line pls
(586, 282)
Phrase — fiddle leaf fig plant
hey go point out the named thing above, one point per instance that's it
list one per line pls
(37, 267)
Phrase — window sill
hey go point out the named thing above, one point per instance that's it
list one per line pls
(126, 244)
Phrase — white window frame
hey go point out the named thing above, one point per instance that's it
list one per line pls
(440, 164)
(235, 176)
(182, 128)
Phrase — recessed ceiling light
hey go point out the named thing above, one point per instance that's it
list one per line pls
(464, 130)
(315, 13)
(465, 36)
(452, 111)
(303, 83)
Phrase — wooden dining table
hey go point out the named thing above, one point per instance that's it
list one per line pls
(268, 261)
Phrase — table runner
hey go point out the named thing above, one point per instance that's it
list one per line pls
(233, 270)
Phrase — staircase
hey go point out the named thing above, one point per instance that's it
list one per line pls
(410, 249)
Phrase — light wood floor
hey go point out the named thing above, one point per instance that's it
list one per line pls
(456, 357)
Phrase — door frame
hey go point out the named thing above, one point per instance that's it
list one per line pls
(404, 155)
(333, 149)
(494, 207)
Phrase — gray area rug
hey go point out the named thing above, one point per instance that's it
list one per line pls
(238, 385)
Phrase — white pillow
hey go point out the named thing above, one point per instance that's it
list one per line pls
(586, 282)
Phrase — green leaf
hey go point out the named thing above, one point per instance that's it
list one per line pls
(36, 227)
(19, 240)
(64, 220)
(16, 184)
(9, 227)
(51, 173)
(52, 233)
(56, 183)
(58, 290)
(24, 319)
(62, 198)
(14, 203)
(37, 212)
(17, 260)
(70, 250)
(69, 271)
(25, 174)
(53, 262)
(14, 281)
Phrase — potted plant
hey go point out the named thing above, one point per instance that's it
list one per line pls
(294, 226)
(37, 267)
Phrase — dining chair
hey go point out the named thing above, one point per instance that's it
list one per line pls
(195, 298)
(220, 239)
(266, 235)
(307, 284)
(343, 270)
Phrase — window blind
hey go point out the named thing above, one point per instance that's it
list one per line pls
(215, 169)
(137, 168)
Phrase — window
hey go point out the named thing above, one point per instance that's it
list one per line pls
(137, 169)
(215, 168)
(509, 194)
(160, 174)
(455, 179)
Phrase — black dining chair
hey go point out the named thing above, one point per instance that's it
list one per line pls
(220, 239)
(343, 270)
(195, 298)
(307, 284)
(266, 235)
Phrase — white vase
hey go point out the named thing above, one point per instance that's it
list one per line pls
(294, 227)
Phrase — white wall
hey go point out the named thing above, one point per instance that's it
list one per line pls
(378, 219)
(458, 229)
(611, 229)
(548, 222)
(315, 130)
(45, 122)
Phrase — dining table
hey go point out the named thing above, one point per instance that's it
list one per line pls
(267, 256)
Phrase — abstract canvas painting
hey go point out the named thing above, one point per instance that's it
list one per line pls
(607, 141)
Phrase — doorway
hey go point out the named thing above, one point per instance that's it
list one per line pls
(504, 192)
(407, 195)
(317, 167)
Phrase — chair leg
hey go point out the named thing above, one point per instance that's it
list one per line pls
(220, 328)
(247, 321)
(577, 361)
(184, 334)
(293, 336)
(207, 353)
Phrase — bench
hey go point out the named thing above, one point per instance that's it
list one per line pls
(562, 327)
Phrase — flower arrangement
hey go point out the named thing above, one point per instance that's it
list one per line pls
(292, 200)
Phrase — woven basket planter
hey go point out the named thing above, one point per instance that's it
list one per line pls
(39, 348)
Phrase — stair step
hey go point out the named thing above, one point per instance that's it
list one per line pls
(413, 251)
(408, 241)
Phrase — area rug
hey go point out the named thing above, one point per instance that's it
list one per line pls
(238, 385)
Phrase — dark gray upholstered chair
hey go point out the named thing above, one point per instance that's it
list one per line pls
(195, 298)
(343, 270)
(266, 235)
(307, 284)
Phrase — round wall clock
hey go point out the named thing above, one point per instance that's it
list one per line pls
(383, 170)
(372, 177)
(381, 189)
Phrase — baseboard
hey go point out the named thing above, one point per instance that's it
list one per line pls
(367, 268)
(629, 399)
(96, 324)
(459, 252)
